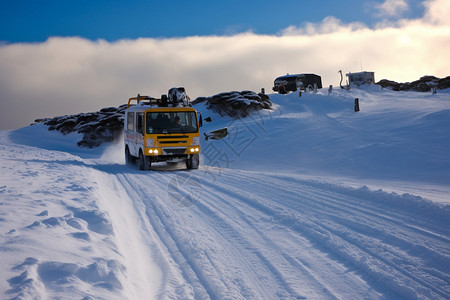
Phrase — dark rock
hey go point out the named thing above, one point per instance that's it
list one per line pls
(236, 104)
(41, 120)
(424, 84)
(427, 78)
(388, 84)
(105, 125)
(67, 125)
(422, 87)
(199, 100)
(443, 83)
(108, 109)
(89, 117)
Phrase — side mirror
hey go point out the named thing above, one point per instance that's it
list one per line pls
(200, 121)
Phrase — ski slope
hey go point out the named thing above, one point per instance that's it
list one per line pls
(307, 201)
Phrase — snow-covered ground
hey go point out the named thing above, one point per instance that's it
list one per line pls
(308, 201)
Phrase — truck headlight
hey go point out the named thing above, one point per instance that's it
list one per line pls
(153, 151)
(192, 150)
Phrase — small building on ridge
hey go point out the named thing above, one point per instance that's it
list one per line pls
(359, 78)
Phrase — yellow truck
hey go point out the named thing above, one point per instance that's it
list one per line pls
(166, 129)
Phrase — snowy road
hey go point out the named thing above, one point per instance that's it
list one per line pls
(243, 235)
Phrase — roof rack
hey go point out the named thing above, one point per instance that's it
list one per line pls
(151, 101)
(162, 102)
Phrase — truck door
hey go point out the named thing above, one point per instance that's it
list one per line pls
(130, 132)
(140, 132)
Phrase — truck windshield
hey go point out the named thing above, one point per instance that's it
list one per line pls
(171, 122)
(285, 80)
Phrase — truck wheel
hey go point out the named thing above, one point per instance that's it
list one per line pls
(144, 162)
(193, 161)
(129, 160)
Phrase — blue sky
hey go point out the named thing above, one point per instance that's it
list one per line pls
(111, 20)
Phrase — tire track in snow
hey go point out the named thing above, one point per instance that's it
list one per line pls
(235, 197)
(378, 211)
(293, 261)
(393, 242)
(369, 224)
(371, 211)
(318, 224)
(251, 248)
(175, 242)
(182, 267)
(406, 245)
(353, 219)
(350, 233)
(143, 278)
(365, 242)
(213, 285)
(395, 271)
(341, 197)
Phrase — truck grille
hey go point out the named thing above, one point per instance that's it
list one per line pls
(172, 139)
(173, 142)
(174, 151)
(165, 137)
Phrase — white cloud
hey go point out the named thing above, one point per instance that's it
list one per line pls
(329, 25)
(392, 8)
(437, 12)
(71, 75)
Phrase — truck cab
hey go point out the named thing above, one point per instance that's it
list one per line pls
(166, 129)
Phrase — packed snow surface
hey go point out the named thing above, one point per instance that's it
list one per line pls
(309, 200)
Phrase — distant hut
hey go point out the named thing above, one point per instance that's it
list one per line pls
(359, 78)
(294, 82)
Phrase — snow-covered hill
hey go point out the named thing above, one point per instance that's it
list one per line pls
(307, 200)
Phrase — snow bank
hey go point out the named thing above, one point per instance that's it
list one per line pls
(55, 236)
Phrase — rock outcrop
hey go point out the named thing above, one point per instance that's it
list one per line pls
(424, 84)
(105, 125)
(236, 104)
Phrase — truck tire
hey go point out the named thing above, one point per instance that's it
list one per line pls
(193, 161)
(144, 162)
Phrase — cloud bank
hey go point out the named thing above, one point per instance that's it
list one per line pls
(71, 74)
